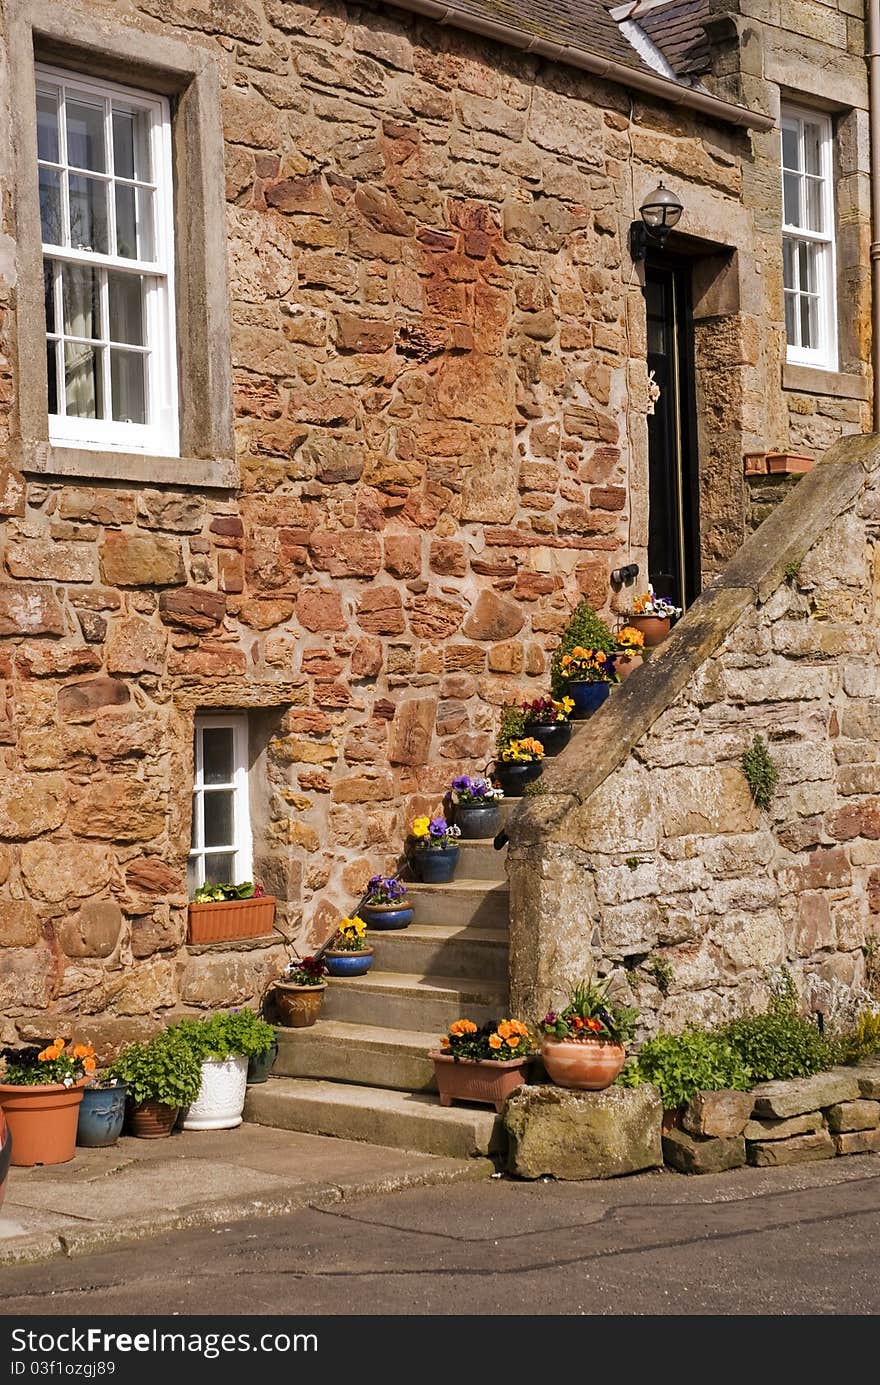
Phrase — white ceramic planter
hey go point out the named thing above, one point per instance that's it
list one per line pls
(219, 1103)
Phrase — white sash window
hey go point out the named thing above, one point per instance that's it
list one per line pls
(808, 238)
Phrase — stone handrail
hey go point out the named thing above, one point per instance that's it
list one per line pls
(600, 745)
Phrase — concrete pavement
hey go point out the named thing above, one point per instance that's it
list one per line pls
(777, 1241)
(141, 1188)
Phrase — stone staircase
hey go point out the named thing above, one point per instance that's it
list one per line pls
(362, 1072)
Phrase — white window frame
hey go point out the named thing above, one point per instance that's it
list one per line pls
(242, 843)
(160, 435)
(824, 356)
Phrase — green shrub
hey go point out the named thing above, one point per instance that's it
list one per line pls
(229, 1034)
(780, 1043)
(511, 726)
(862, 1041)
(761, 773)
(683, 1064)
(585, 628)
(164, 1069)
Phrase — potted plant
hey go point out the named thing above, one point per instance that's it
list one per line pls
(434, 853)
(630, 651)
(475, 806)
(384, 906)
(40, 1092)
(162, 1075)
(101, 1112)
(299, 993)
(517, 763)
(349, 953)
(262, 1059)
(652, 615)
(589, 674)
(548, 720)
(586, 630)
(482, 1064)
(583, 1044)
(223, 1045)
(219, 913)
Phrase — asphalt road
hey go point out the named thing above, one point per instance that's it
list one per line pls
(773, 1241)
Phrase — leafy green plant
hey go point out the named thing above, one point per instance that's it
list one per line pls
(591, 1014)
(511, 726)
(780, 1042)
(535, 789)
(862, 1041)
(229, 1034)
(792, 570)
(662, 972)
(216, 894)
(681, 1065)
(760, 771)
(632, 862)
(585, 628)
(164, 1069)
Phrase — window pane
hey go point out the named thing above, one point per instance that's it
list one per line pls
(220, 869)
(812, 147)
(80, 293)
(47, 125)
(88, 214)
(790, 148)
(127, 383)
(126, 292)
(791, 319)
(788, 263)
(49, 294)
(808, 256)
(85, 136)
(791, 213)
(131, 144)
(51, 219)
(82, 380)
(192, 875)
(219, 817)
(813, 189)
(52, 375)
(134, 223)
(217, 755)
(809, 322)
(194, 838)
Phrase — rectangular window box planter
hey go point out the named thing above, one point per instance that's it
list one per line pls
(230, 919)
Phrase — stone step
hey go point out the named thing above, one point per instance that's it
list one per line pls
(479, 953)
(368, 1055)
(480, 861)
(461, 902)
(401, 1000)
(401, 1120)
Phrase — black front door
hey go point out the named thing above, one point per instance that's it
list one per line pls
(674, 523)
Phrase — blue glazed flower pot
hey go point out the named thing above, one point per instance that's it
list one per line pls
(515, 774)
(384, 916)
(101, 1113)
(436, 866)
(477, 823)
(260, 1065)
(588, 697)
(553, 738)
(349, 963)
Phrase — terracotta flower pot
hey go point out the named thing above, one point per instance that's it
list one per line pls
(299, 1006)
(42, 1120)
(230, 919)
(341, 963)
(588, 1064)
(626, 664)
(150, 1120)
(654, 628)
(469, 1079)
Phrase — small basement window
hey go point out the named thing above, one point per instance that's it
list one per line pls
(221, 848)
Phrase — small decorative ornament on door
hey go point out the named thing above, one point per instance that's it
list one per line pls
(653, 392)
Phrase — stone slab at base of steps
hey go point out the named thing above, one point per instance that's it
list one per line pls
(367, 1055)
(409, 1001)
(401, 1120)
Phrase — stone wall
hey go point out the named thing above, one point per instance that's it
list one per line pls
(647, 848)
(440, 411)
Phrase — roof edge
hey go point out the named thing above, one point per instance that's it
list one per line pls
(653, 85)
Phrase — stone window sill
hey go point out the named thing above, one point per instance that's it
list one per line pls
(124, 468)
(808, 380)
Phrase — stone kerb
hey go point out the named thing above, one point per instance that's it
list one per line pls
(600, 797)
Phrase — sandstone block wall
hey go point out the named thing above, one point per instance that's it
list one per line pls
(648, 857)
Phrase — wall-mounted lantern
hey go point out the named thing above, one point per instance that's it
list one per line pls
(660, 211)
